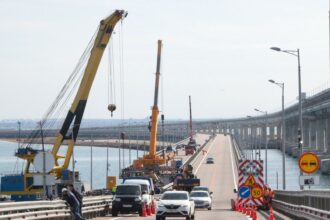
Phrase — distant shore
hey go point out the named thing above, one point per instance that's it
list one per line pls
(113, 143)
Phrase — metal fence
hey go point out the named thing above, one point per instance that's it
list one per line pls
(305, 204)
(56, 209)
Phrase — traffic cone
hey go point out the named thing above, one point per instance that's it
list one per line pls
(149, 210)
(254, 216)
(251, 211)
(271, 214)
(153, 207)
(244, 209)
(247, 209)
(144, 211)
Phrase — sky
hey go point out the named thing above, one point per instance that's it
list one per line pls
(217, 51)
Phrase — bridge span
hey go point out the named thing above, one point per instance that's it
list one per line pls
(220, 177)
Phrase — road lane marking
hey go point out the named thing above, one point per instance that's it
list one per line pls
(196, 170)
(232, 163)
(122, 217)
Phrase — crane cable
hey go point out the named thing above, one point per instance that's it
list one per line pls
(111, 80)
(51, 117)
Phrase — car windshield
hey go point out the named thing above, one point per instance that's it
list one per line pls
(144, 188)
(199, 194)
(200, 188)
(174, 196)
(127, 189)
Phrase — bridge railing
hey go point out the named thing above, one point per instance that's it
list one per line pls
(310, 204)
(237, 151)
(190, 160)
(56, 209)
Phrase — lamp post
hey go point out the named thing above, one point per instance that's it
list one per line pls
(266, 148)
(296, 53)
(281, 85)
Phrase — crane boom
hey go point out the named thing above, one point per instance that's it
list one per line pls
(76, 111)
(155, 110)
(152, 158)
(190, 120)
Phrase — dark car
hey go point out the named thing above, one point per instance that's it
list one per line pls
(169, 149)
(128, 199)
(210, 160)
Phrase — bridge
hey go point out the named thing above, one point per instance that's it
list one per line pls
(220, 177)
(234, 139)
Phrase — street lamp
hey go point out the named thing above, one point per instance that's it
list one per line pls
(266, 148)
(281, 85)
(296, 53)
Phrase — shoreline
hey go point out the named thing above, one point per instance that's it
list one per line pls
(112, 143)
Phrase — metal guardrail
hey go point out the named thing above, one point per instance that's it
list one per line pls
(56, 209)
(190, 160)
(318, 199)
(237, 152)
(176, 144)
(301, 211)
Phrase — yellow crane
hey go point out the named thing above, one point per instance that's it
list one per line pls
(152, 159)
(23, 183)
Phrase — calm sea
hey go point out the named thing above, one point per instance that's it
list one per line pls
(292, 172)
(10, 164)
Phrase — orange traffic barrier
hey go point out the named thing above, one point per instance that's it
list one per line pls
(248, 211)
(254, 215)
(149, 210)
(271, 214)
(144, 211)
(153, 207)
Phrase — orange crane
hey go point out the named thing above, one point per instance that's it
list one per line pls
(152, 159)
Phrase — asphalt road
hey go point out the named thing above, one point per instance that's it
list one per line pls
(220, 177)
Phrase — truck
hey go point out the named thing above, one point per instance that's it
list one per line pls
(190, 148)
(186, 180)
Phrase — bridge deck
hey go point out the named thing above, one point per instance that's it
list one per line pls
(220, 177)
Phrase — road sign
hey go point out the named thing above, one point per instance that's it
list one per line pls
(309, 162)
(256, 192)
(250, 173)
(250, 181)
(309, 180)
(244, 192)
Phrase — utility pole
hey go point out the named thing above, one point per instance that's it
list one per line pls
(91, 163)
(43, 162)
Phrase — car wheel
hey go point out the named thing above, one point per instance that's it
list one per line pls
(209, 208)
(193, 216)
(114, 213)
(188, 218)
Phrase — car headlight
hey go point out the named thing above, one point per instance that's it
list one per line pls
(137, 199)
(161, 205)
(117, 199)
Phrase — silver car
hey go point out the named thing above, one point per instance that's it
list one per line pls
(202, 199)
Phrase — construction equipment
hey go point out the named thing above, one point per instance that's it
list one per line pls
(185, 180)
(24, 186)
(152, 159)
(190, 148)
